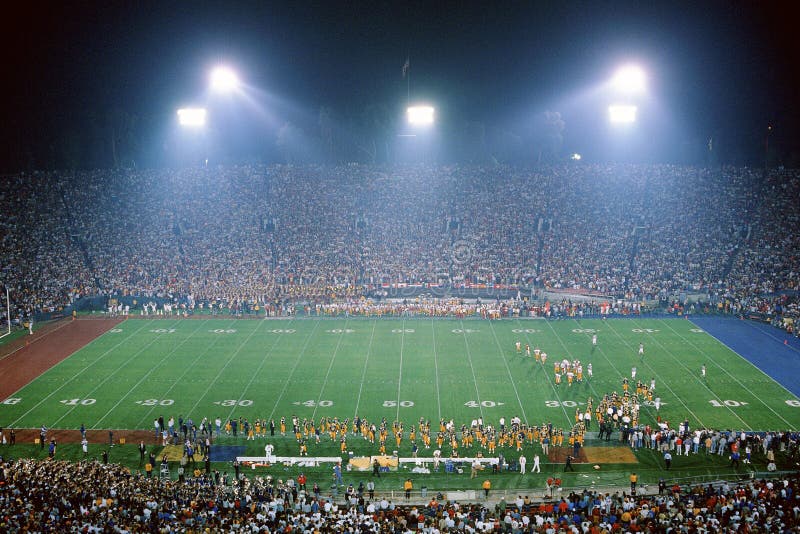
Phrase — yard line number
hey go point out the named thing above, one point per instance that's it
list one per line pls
(559, 404)
(311, 403)
(78, 402)
(156, 402)
(394, 403)
(726, 403)
(234, 402)
(485, 404)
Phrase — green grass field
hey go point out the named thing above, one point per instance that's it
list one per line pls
(397, 369)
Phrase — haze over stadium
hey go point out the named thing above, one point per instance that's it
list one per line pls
(321, 73)
(395, 252)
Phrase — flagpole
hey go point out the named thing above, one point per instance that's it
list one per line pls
(407, 76)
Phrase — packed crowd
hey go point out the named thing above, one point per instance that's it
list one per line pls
(55, 496)
(261, 234)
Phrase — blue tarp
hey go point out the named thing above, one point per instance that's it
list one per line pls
(226, 453)
(770, 349)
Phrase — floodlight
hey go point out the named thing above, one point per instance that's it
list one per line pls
(224, 80)
(620, 114)
(192, 117)
(629, 79)
(575, 157)
(421, 115)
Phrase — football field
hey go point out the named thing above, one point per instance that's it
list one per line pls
(395, 369)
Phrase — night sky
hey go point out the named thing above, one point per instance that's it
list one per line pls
(725, 70)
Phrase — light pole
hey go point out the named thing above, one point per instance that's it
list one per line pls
(766, 147)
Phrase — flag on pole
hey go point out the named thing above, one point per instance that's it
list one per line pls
(406, 66)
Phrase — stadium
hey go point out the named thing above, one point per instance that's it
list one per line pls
(449, 311)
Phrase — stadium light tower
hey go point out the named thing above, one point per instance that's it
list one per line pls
(629, 79)
(192, 117)
(224, 80)
(420, 115)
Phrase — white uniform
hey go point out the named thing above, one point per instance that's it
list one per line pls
(536, 467)
(522, 462)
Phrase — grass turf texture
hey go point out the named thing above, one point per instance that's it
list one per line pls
(400, 370)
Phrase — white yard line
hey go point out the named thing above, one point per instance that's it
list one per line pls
(364, 372)
(219, 373)
(400, 375)
(144, 377)
(725, 370)
(109, 377)
(436, 368)
(328, 373)
(690, 373)
(589, 382)
(278, 337)
(472, 368)
(678, 397)
(570, 419)
(177, 380)
(666, 385)
(106, 353)
(508, 370)
(291, 373)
